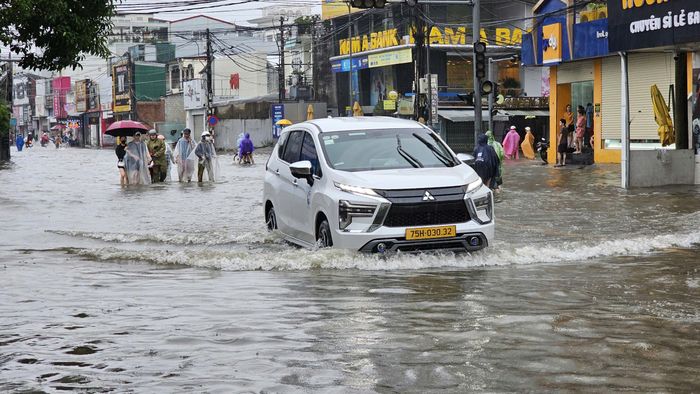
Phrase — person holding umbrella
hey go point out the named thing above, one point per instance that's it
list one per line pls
(137, 162)
(156, 149)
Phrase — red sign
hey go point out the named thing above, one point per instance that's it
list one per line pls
(235, 81)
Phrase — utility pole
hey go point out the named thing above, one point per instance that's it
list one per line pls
(210, 82)
(419, 51)
(492, 78)
(281, 65)
(351, 96)
(476, 37)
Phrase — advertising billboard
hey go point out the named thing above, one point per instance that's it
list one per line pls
(121, 87)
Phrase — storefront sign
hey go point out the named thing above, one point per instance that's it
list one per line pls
(21, 91)
(334, 8)
(389, 105)
(277, 115)
(551, 43)
(390, 58)
(121, 81)
(61, 87)
(358, 63)
(501, 36)
(81, 96)
(434, 102)
(93, 99)
(591, 39)
(193, 94)
(636, 24)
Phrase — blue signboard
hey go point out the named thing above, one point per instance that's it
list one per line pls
(591, 39)
(358, 63)
(277, 115)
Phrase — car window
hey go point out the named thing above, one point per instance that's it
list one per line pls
(369, 150)
(281, 143)
(308, 152)
(292, 148)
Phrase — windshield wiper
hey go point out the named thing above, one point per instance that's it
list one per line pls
(412, 160)
(440, 155)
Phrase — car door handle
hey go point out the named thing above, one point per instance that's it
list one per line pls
(295, 182)
(277, 172)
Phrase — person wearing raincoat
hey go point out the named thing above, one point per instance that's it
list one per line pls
(184, 156)
(500, 153)
(137, 162)
(245, 150)
(486, 161)
(207, 158)
(528, 144)
(169, 159)
(19, 142)
(156, 148)
(511, 143)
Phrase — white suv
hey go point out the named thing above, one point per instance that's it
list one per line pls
(374, 184)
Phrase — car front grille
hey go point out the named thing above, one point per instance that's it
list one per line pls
(427, 214)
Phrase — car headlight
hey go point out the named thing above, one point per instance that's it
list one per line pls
(363, 191)
(347, 211)
(474, 185)
(483, 207)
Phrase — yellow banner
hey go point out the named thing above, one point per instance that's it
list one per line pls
(390, 58)
(551, 53)
(334, 8)
(501, 36)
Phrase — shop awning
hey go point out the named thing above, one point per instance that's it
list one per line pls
(467, 115)
(524, 112)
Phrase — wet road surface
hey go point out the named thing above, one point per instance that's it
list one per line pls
(178, 288)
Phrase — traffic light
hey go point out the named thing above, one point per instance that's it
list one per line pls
(488, 87)
(368, 3)
(480, 59)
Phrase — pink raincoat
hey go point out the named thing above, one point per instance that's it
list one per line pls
(511, 143)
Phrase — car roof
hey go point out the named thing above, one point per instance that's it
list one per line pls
(349, 123)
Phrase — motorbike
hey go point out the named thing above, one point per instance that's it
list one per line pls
(542, 147)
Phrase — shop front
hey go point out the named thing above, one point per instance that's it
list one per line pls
(590, 59)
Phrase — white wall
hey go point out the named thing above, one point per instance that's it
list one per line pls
(650, 168)
(228, 130)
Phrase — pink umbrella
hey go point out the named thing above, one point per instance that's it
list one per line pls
(125, 128)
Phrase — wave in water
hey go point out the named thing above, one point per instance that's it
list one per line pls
(285, 257)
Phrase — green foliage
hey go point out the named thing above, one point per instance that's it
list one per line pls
(55, 34)
(4, 120)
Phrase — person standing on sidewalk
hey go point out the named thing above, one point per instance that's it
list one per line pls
(562, 143)
(156, 148)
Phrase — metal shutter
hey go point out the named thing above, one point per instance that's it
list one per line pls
(612, 97)
(575, 72)
(645, 69)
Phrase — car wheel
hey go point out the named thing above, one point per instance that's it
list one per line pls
(271, 219)
(323, 237)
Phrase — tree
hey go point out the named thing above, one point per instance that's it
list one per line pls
(4, 131)
(55, 34)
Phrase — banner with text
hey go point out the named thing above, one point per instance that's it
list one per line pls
(635, 24)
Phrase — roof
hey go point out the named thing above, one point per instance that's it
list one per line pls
(202, 16)
(361, 123)
(467, 115)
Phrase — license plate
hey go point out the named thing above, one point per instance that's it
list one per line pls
(431, 232)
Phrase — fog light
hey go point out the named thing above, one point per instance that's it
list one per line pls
(474, 241)
(381, 248)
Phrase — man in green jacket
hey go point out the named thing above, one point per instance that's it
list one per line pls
(156, 148)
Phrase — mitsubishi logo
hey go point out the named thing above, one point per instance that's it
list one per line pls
(428, 197)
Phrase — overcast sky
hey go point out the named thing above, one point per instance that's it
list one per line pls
(235, 13)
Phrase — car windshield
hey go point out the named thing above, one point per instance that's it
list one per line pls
(368, 150)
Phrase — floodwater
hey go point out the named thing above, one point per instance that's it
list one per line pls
(178, 288)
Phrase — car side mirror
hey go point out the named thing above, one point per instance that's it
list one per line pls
(466, 158)
(302, 170)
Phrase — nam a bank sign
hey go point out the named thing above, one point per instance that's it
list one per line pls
(500, 36)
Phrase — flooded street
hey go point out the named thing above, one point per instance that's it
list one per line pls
(179, 288)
